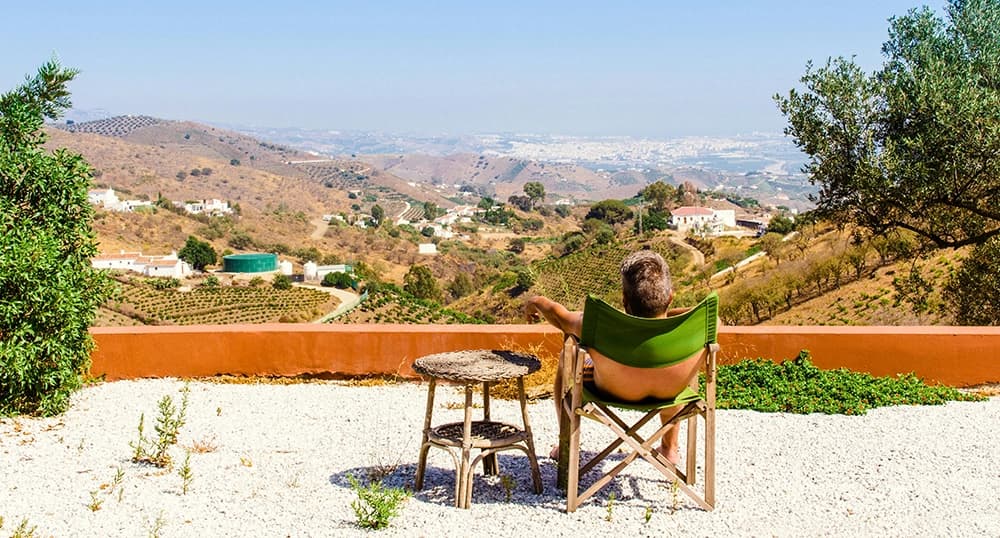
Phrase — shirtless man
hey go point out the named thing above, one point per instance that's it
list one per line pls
(646, 292)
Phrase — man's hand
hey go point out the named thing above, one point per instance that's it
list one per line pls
(531, 313)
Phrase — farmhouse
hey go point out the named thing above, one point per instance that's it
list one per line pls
(154, 266)
(702, 219)
(212, 207)
(317, 272)
(108, 199)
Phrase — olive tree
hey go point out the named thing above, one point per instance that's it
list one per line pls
(49, 293)
(916, 144)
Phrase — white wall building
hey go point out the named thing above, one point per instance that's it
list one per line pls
(702, 218)
(317, 272)
(154, 266)
(108, 199)
(212, 207)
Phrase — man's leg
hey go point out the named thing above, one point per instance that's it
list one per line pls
(670, 441)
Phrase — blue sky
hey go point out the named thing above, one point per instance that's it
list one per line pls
(655, 69)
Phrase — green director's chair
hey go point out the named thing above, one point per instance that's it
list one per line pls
(642, 343)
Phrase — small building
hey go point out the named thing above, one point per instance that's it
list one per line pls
(427, 248)
(702, 218)
(154, 266)
(317, 272)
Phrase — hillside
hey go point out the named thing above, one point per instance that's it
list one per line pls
(503, 176)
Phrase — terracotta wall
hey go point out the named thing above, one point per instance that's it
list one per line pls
(958, 356)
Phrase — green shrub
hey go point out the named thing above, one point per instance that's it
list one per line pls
(49, 291)
(338, 280)
(376, 504)
(282, 282)
(798, 386)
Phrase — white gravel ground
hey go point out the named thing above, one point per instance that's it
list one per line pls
(283, 454)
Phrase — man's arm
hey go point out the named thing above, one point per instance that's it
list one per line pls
(556, 314)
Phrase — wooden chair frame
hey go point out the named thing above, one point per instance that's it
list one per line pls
(573, 407)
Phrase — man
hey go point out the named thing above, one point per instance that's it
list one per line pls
(646, 292)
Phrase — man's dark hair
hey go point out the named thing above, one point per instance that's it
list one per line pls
(646, 287)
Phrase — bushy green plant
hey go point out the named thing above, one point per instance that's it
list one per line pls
(798, 386)
(49, 293)
(168, 425)
(281, 282)
(376, 504)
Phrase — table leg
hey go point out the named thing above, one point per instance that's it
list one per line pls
(464, 479)
(490, 466)
(536, 475)
(418, 483)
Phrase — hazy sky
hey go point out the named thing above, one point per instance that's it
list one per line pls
(656, 68)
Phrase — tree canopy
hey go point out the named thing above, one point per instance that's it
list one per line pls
(659, 194)
(610, 211)
(49, 291)
(198, 253)
(535, 191)
(419, 282)
(916, 144)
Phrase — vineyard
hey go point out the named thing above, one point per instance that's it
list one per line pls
(413, 214)
(389, 304)
(141, 304)
(595, 271)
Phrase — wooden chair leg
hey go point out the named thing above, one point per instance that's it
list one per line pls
(418, 482)
(692, 449)
(573, 462)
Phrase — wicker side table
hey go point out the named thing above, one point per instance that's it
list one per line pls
(460, 438)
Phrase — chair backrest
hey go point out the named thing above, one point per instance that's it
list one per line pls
(647, 342)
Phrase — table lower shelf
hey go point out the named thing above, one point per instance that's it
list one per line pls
(485, 434)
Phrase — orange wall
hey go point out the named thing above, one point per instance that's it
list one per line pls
(958, 356)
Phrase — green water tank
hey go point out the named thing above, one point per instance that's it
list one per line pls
(249, 263)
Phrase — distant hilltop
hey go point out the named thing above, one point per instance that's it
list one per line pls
(118, 126)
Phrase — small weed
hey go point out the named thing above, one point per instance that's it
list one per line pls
(675, 489)
(95, 501)
(79, 448)
(380, 468)
(24, 531)
(293, 482)
(157, 526)
(121, 493)
(168, 425)
(246, 461)
(376, 504)
(509, 483)
(649, 513)
(611, 506)
(186, 475)
(218, 411)
(203, 445)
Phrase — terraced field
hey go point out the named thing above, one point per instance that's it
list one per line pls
(221, 305)
(392, 305)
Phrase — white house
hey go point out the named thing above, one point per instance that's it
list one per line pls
(703, 218)
(105, 198)
(317, 272)
(427, 248)
(162, 266)
(213, 207)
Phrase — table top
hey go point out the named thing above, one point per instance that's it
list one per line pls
(477, 365)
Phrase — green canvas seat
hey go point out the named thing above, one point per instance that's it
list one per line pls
(639, 343)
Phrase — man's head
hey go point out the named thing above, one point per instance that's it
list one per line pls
(646, 287)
